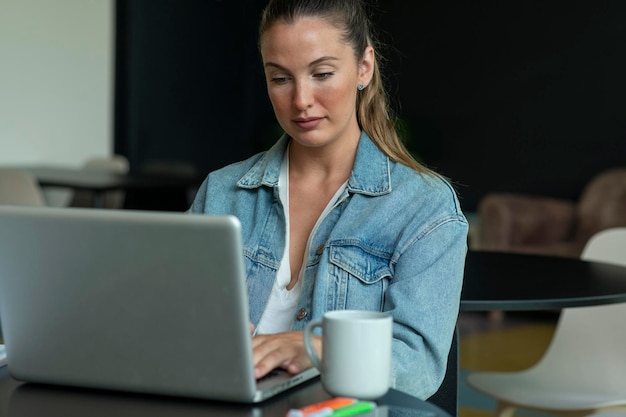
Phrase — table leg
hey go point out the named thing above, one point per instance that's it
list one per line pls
(98, 199)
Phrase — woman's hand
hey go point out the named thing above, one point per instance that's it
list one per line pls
(282, 350)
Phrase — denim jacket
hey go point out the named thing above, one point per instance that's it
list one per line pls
(394, 241)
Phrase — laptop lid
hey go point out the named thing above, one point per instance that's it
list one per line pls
(142, 301)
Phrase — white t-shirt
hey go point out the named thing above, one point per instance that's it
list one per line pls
(282, 304)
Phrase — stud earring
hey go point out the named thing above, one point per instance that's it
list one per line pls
(361, 87)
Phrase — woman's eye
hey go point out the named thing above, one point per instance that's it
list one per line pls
(279, 80)
(324, 75)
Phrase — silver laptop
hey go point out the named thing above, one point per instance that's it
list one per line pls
(139, 301)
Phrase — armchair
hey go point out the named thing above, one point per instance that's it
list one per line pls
(549, 226)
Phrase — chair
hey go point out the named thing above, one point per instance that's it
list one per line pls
(583, 371)
(549, 226)
(117, 164)
(20, 188)
(447, 396)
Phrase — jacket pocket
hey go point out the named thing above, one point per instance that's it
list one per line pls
(359, 278)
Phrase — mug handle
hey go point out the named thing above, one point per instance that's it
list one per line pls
(308, 343)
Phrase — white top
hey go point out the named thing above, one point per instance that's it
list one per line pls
(281, 306)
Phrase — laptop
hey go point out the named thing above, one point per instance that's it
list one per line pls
(129, 300)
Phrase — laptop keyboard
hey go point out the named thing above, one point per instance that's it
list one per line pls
(271, 374)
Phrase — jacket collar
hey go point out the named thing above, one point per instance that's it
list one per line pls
(370, 173)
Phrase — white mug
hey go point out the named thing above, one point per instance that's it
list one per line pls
(356, 352)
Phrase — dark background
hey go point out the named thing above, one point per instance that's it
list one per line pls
(523, 96)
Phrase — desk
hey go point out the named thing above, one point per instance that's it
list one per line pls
(511, 281)
(34, 400)
(98, 182)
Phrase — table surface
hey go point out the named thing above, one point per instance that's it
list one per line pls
(511, 281)
(93, 180)
(29, 400)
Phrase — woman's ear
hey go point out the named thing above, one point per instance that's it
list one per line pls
(366, 67)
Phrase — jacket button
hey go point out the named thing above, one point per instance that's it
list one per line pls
(302, 313)
(320, 249)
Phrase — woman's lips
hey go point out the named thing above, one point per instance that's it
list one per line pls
(308, 123)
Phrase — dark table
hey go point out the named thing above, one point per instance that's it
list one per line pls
(99, 182)
(35, 400)
(511, 281)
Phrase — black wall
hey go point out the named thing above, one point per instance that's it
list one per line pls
(189, 83)
(524, 96)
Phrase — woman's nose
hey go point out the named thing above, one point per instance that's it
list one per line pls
(303, 96)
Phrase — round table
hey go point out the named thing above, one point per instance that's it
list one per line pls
(513, 281)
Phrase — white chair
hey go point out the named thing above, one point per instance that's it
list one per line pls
(117, 164)
(20, 188)
(583, 370)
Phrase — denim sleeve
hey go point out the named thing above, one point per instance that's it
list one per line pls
(424, 299)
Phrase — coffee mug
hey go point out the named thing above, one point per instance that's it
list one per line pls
(356, 352)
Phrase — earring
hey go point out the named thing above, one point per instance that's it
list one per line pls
(361, 87)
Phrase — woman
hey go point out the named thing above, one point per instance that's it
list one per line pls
(337, 214)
